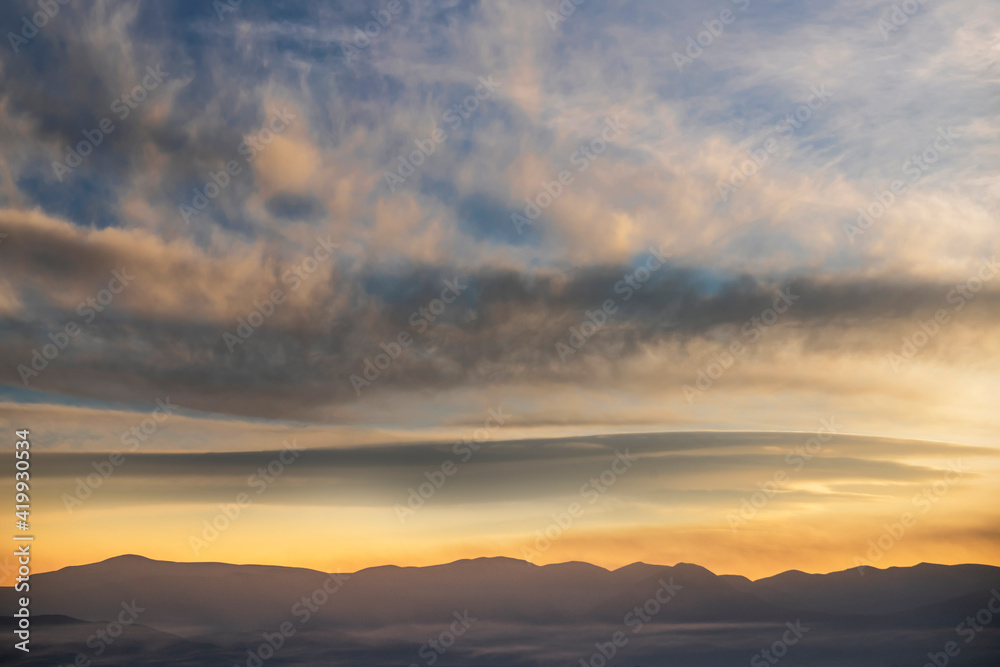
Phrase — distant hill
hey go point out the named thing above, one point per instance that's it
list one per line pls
(524, 613)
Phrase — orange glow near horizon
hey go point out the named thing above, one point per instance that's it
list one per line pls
(331, 541)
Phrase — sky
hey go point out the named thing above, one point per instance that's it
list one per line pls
(409, 281)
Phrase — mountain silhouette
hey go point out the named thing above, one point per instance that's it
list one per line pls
(509, 611)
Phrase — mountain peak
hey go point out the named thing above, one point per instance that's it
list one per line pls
(130, 558)
(693, 569)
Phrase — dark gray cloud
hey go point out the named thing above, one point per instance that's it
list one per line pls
(672, 468)
(500, 327)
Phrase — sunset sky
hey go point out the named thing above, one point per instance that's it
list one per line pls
(250, 233)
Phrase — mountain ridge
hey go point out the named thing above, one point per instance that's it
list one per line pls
(520, 613)
(480, 559)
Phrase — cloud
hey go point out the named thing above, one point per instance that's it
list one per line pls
(655, 184)
(674, 499)
(168, 327)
